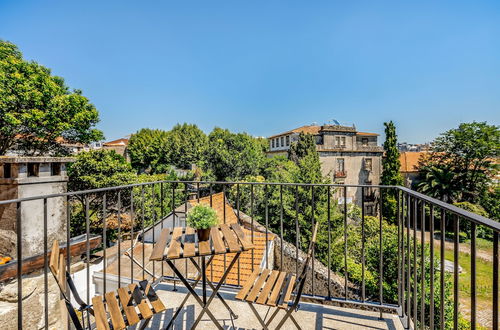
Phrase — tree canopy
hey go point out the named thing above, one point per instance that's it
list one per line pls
(147, 150)
(37, 109)
(233, 156)
(186, 145)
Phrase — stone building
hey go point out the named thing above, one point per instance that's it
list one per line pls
(22, 177)
(347, 156)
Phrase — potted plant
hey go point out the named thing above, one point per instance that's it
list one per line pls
(202, 218)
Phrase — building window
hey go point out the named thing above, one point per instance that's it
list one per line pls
(55, 169)
(368, 164)
(272, 143)
(342, 139)
(364, 142)
(340, 165)
(337, 141)
(287, 140)
(282, 141)
(7, 171)
(33, 169)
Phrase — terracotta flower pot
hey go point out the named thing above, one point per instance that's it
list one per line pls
(203, 234)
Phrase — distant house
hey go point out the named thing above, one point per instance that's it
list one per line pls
(409, 166)
(119, 146)
(347, 156)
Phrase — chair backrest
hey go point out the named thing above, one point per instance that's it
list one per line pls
(57, 265)
(303, 274)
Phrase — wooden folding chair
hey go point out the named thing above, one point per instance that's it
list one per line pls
(115, 309)
(273, 288)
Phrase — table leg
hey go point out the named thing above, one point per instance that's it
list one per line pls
(197, 279)
(233, 315)
(226, 273)
(204, 277)
(195, 295)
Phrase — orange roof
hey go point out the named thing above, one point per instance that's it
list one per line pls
(225, 211)
(367, 134)
(119, 142)
(307, 129)
(246, 264)
(409, 161)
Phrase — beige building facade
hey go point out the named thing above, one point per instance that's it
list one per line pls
(347, 156)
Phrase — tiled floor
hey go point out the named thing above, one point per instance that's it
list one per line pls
(310, 316)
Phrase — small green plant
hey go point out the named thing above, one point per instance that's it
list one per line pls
(202, 217)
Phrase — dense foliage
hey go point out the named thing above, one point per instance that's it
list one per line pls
(37, 109)
(390, 170)
(462, 163)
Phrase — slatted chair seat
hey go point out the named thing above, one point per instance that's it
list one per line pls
(118, 309)
(266, 287)
(274, 288)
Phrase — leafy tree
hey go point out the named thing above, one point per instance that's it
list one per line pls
(233, 156)
(148, 150)
(390, 171)
(186, 145)
(99, 169)
(302, 147)
(37, 109)
(468, 154)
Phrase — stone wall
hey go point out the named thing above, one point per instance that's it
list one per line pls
(33, 303)
(320, 273)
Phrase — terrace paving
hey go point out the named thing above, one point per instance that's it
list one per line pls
(309, 316)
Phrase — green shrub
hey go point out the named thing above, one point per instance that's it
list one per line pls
(202, 217)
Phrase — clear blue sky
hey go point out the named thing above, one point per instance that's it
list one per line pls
(269, 66)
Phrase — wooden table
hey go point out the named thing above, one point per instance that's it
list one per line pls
(182, 242)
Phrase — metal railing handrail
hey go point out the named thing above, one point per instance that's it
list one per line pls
(478, 219)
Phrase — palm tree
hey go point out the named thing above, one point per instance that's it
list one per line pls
(439, 181)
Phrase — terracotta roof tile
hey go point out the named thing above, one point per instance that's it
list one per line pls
(308, 129)
(216, 269)
(225, 211)
(409, 161)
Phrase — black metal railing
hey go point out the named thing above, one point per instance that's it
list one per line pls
(393, 266)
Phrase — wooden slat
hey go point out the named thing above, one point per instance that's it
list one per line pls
(161, 244)
(140, 301)
(61, 276)
(153, 298)
(264, 294)
(247, 245)
(248, 284)
(258, 285)
(174, 251)
(288, 292)
(219, 246)
(230, 237)
(189, 243)
(54, 258)
(128, 307)
(114, 310)
(101, 319)
(276, 290)
(204, 248)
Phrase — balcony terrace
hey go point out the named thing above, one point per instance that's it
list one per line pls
(366, 272)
